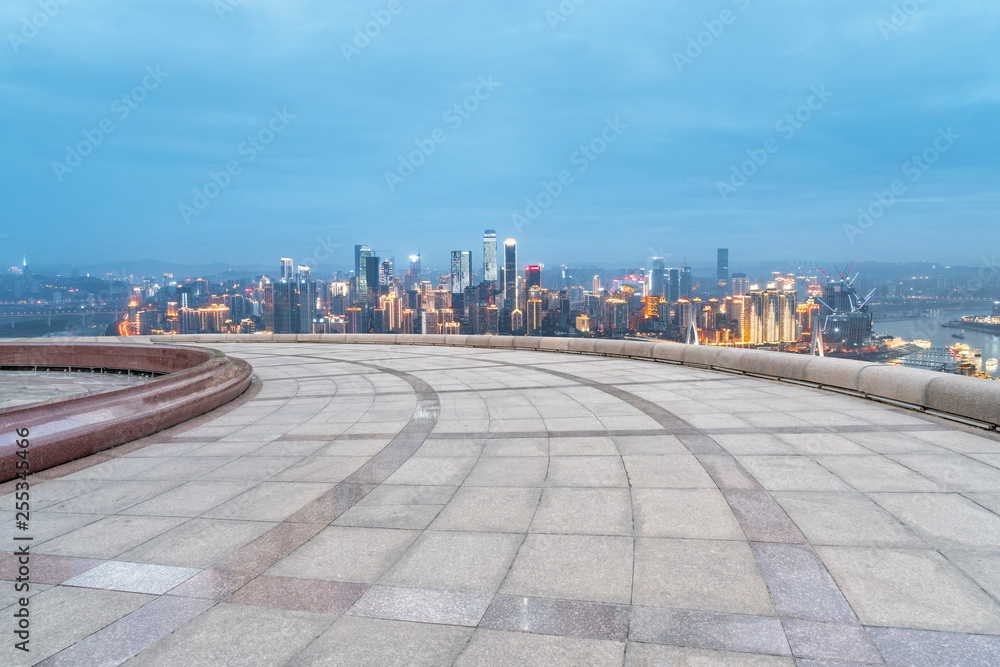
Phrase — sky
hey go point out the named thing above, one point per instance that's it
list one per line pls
(231, 131)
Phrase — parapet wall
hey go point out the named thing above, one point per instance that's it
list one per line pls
(62, 430)
(970, 400)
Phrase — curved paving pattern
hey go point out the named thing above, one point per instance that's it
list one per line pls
(416, 505)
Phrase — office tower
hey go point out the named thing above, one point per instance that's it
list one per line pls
(617, 315)
(686, 286)
(510, 274)
(565, 308)
(286, 307)
(429, 322)
(412, 277)
(371, 270)
(361, 255)
(722, 268)
(353, 317)
(516, 321)
(267, 290)
(656, 278)
(788, 331)
(673, 286)
(534, 316)
(286, 269)
(490, 256)
(461, 271)
(597, 285)
(306, 300)
(532, 277)
(741, 284)
(385, 273)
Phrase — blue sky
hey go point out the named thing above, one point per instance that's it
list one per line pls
(892, 78)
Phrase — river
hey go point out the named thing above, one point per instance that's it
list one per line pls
(929, 328)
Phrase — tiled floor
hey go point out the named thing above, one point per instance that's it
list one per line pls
(424, 505)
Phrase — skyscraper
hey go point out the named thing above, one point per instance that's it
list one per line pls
(685, 282)
(286, 269)
(361, 254)
(510, 274)
(532, 276)
(490, 256)
(656, 278)
(674, 286)
(461, 271)
(722, 268)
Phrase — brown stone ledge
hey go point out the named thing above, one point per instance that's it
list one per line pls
(195, 381)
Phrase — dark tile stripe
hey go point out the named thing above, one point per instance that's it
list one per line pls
(566, 618)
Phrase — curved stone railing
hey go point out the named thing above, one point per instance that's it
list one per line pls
(194, 381)
(969, 400)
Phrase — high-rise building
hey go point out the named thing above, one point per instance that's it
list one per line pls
(996, 309)
(490, 256)
(286, 269)
(510, 274)
(461, 271)
(371, 268)
(286, 307)
(722, 268)
(361, 255)
(741, 284)
(674, 286)
(532, 277)
(306, 300)
(597, 285)
(534, 316)
(686, 284)
(656, 278)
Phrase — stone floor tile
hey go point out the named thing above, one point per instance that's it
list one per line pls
(910, 588)
(422, 605)
(355, 640)
(455, 561)
(667, 472)
(132, 577)
(342, 553)
(706, 630)
(566, 618)
(584, 511)
(917, 648)
(496, 647)
(573, 567)
(489, 509)
(703, 575)
(688, 513)
(845, 518)
(229, 634)
(328, 597)
(586, 471)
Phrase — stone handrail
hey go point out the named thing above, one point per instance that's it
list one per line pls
(971, 400)
(195, 381)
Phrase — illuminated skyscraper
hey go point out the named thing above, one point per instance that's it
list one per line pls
(490, 256)
(510, 274)
(534, 316)
(286, 269)
(741, 284)
(532, 277)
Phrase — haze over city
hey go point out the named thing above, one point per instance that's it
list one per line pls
(199, 132)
